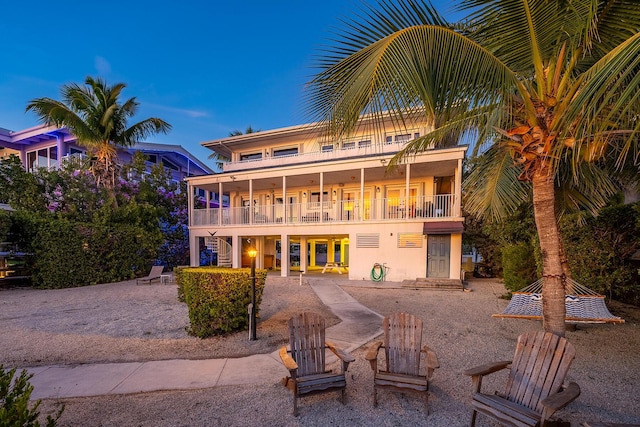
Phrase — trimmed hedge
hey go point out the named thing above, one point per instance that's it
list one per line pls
(217, 298)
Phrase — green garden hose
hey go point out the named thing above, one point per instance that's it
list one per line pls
(377, 277)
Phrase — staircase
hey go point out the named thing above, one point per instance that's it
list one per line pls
(222, 248)
(434, 284)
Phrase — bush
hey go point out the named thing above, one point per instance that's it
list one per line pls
(218, 298)
(14, 400)
(518, 265)
(598, 252)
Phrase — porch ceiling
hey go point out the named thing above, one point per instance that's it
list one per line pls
(332, 178)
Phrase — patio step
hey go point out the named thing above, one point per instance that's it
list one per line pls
(434, 283)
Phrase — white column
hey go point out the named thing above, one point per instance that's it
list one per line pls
(194, 250)
(284, 201)
(190, 202)
(457, 211)
(303, 254)
(284, 255)
(220, 203)
(236, 252)
(361, 203)
(251, 211)
(406, 190)
(321, 198)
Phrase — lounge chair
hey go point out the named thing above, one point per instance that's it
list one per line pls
(155, 273)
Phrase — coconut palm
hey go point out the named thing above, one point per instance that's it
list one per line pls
(97, 118)
(550, 89)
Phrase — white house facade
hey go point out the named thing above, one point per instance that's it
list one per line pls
(309, 203)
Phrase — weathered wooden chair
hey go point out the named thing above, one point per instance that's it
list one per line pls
(403, 348)
(534, 389)
(306, 363)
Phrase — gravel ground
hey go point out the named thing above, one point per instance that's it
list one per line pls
(123, 322)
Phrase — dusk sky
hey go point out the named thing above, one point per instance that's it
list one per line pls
(206, 67)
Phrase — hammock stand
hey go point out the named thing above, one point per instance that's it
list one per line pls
(583, 305)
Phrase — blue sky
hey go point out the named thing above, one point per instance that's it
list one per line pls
(206, 67)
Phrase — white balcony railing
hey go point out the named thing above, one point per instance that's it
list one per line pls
(391, 209)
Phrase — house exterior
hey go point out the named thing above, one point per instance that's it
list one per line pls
(308, 203)
(48, 146)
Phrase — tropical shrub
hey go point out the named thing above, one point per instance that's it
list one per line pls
(15, 393)
(218, 298)
(518, 265)
(599, 252)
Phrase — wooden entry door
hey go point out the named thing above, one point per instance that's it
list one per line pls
(438, 256)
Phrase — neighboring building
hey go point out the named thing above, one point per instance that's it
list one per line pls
(305, 202)
(47, 146)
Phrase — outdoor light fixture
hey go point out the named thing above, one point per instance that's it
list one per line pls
(233, 178)
(304, 194)
(268, 197)
(377, 189)
(383, 161)
(335, 193)
(252, 252)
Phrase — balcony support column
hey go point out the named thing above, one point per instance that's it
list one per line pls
(194, 250)
(220, 203)
(236, 251)
(457, 191)
(284, 255)
(361, 201)
(190, 192)
(285, 203)
(407, 191)
(321, 197)
(251, 207)
(304, 254)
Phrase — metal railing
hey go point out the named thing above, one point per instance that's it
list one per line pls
(389, 209)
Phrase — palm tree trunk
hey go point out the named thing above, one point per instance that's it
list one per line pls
(553, 304)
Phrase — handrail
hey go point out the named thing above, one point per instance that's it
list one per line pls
(384, 209)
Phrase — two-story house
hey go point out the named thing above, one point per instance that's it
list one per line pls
(308, 203)
(48, 146)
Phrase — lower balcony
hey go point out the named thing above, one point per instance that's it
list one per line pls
(391, 209)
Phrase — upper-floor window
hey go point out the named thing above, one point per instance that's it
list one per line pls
(42, 158)
(364, 143)
(401, 137)
(281, 152)
(251, 156)
(326, 148)
(348, 145)
(152, 158)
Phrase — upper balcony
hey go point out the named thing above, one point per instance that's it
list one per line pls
(441, 206)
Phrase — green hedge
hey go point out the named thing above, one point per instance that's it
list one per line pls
(70, 254)
(518, 265)
(218, 298)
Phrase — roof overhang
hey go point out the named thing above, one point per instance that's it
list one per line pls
(443, 227)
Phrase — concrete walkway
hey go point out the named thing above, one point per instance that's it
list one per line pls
(359, 325)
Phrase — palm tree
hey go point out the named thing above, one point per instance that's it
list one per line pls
(94, 114)
(550, 89)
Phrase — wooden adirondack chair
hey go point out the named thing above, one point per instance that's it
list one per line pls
(402, 349)
(535, 388)
(306, 364)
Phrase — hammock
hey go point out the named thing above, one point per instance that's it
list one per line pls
(583, 305)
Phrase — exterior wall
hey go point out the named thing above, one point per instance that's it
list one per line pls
(323, 192)
(48, 146)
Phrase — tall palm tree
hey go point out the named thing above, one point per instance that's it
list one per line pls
(95, 115)
(551, 90)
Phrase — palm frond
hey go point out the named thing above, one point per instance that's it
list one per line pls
(426, 69)
(492, 189)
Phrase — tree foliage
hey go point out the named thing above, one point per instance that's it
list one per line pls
(550, 90)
